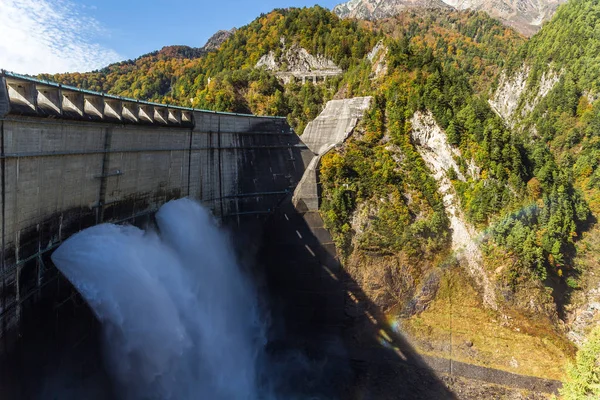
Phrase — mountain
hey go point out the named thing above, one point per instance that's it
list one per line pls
(376, 9)
(178, 52)
(187, 52)
(526, 16)
(226, 79)
(549, 94)
(216, 40)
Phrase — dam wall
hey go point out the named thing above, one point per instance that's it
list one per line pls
(71, 159)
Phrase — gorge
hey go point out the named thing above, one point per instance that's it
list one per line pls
(419, 221)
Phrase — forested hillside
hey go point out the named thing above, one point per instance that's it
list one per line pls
(521, 196)
(434, 63)
(226, 80)
(565, 124)
(568, 119)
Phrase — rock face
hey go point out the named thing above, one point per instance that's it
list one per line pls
(508, 97)
(378, 58)
(584, 317)
(216, 40)
(432, 144)
(331, 128)
(375, 9)
(296, 62)
(526, 16)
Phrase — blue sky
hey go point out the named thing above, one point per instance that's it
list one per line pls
(80, 35)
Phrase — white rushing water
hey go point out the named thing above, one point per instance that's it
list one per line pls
(181, 318)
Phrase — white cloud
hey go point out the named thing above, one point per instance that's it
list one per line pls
(50, 36)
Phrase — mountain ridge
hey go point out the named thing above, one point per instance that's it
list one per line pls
(377, 9)
(526, 16)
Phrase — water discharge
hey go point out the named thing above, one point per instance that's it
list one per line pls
(181, 318)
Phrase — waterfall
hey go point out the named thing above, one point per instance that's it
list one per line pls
(181, 319)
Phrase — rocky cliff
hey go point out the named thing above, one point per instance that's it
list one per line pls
(511, 96)
(432, 145)
(526, 16)
(378, 59)
(216, 40)
(297, 62)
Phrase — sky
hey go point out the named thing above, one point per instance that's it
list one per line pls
(53, 36)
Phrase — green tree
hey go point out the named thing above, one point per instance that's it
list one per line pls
(583, 377)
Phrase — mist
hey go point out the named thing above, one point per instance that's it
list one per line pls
(181, 318)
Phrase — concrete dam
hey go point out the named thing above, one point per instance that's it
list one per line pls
(72, 159)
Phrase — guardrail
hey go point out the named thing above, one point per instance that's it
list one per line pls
(25, 95)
